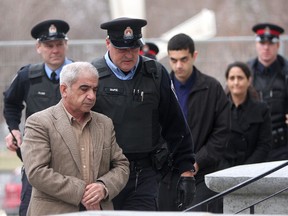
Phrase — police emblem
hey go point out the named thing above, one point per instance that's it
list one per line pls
(52, 29)
(145, 48)
(128, 33)
(267, 31)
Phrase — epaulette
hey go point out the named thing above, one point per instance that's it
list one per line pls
(35, 70)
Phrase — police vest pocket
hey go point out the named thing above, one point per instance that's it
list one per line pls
(277, 93)
(42, 95)
(144, 96)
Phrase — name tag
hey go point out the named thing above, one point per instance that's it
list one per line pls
(114, 91)
(41, 93)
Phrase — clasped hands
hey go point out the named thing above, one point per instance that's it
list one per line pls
(92, 196)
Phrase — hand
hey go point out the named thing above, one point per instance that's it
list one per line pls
(286, 118)
(93, 207)
(196, 166)
(185, 192)
(10, 142)
(93, 194)
(191, 173)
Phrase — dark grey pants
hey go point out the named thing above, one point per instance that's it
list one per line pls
(25, 194)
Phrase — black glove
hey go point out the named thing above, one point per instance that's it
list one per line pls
(185, 192)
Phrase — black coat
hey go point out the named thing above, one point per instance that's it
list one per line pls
(251, 135)
(209, 121)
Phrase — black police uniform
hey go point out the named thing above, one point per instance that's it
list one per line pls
(272, 85)
(36, 89)
(142, 109)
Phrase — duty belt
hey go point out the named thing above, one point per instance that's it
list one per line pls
(140, 164)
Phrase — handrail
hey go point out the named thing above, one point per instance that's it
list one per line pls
(262, 200)
(236, 187)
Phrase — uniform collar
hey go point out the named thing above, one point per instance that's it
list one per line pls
(118, 73)
(262, 69)
(58, 70)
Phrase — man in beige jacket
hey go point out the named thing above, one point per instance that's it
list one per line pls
(70, 153)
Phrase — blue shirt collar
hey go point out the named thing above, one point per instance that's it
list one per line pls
(58, 70)
(183, 90)
(188, 84)
(118, 73)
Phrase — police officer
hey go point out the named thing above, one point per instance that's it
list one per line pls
(135, 92)
(149, 50)
(270, 78)
(37, 85)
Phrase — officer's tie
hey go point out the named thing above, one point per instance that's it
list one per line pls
(53, 76)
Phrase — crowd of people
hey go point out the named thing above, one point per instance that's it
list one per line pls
(123, 133)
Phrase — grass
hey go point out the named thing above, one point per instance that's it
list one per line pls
(9, 160)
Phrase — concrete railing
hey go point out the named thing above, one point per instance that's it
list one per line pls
(223, 180)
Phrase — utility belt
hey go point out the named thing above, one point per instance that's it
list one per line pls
(136, 165)
(279, 136)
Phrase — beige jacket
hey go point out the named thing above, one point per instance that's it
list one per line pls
(52, 161)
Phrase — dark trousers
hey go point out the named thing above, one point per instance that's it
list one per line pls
(203, 193)
(140, 193)
(25, 194)
(168, 192)
(168, 195)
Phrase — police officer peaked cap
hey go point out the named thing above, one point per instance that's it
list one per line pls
(149, 50)
(150, 47)
(267, 32)
(125, 32)
(50, 30)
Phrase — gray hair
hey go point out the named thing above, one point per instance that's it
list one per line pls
(70, 72)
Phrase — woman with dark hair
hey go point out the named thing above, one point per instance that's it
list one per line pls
(251, 134)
